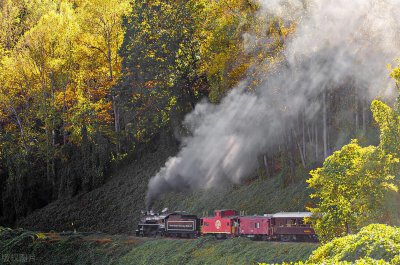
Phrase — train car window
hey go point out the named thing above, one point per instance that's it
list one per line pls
(290, 222)
(227, 223)
(205, 223)
(257, 225)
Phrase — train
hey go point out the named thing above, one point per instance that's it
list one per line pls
(227, 223)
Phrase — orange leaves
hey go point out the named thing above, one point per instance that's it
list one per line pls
(150, 84)
(60, 73)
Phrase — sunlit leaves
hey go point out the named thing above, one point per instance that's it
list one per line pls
(353, 182)
(55, 72)
(161, 56)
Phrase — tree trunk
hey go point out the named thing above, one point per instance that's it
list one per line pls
(325, 125)
(46, 124)
(21, 129)
(291, 156)
(302, 156)
(356, 102)
(347, 228)
(114, 97)
(53, 137)
(267, 169)
(316, 142)
(64, 125)
(364, 117)
(304, 139)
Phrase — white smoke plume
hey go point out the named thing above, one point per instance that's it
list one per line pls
(335, 41)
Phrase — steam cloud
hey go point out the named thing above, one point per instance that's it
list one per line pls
(335, 41)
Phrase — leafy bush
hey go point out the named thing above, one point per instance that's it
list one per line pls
(376, 241)
(375, 244)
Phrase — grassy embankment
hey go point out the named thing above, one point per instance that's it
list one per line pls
(105, 249)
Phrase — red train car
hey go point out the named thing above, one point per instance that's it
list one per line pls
(256, 227)
(224, 223)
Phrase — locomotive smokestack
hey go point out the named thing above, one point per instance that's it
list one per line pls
(149, 204)
(334, 41)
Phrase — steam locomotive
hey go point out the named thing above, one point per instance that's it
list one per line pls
(284, 226)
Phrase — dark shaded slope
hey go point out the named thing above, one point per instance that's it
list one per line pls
(114, 207)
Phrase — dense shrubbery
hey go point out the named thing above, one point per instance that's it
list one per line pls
(353, 182)
(374, 244)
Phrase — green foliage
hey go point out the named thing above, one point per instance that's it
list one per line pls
(389, 125)
(396, 75)
(224, 59)
(366, 261)
(351, 187)
(161, 53)
(374, 242)
(353, 183)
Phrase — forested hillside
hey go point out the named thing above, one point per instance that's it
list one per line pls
(89, 87)
(84, 83)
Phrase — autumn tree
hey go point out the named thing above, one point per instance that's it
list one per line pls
(103, 33)
(55, 101)
(161, 55)
(224, 51)
(352, 184)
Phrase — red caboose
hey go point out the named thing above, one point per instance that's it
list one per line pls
(257, 227)
(224, 223)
